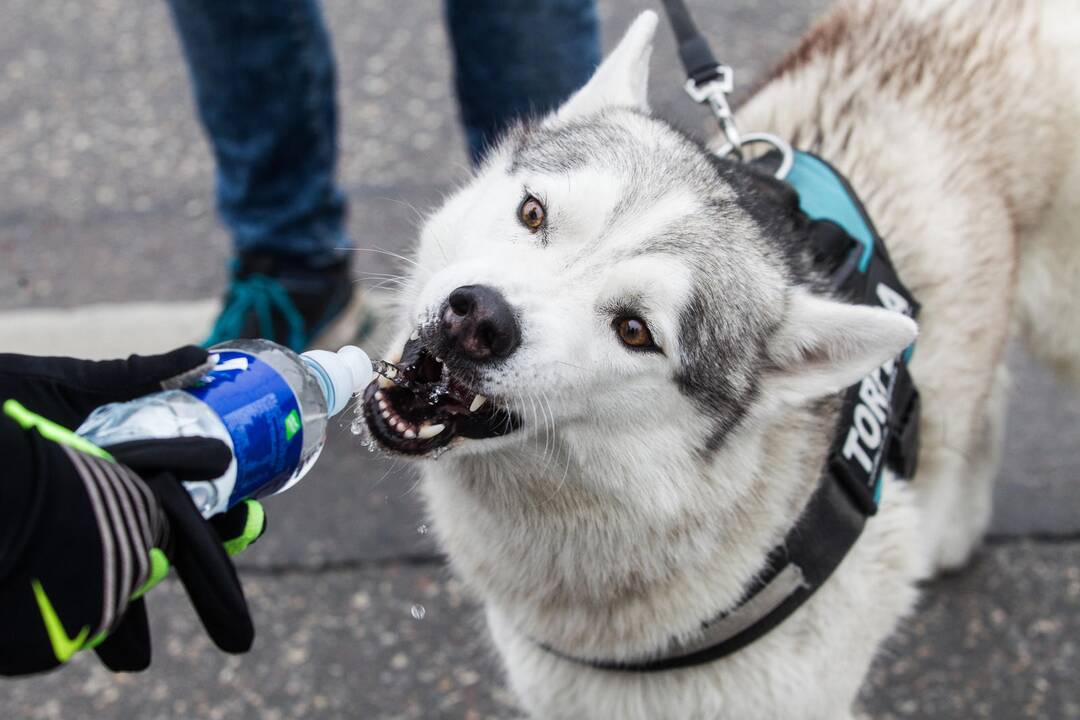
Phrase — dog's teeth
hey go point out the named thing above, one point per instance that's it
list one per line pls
(428, 431)
(477, 403)
(410, 433)
(378, 395)
(385, 414)
(415, 334)
(401, 426)
(383, 405)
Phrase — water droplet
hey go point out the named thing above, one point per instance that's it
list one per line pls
(422, 529)
(418, 612)
(438, 392)
(357, 427)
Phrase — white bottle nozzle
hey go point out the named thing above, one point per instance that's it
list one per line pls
(344, 373)
(359, 365)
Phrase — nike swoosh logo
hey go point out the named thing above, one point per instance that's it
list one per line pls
(63, 646)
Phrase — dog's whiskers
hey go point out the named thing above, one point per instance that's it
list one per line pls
(386, 285)
(398, 256)
(380, 276)
(418, 216)
(532, 406)
(549, 425)
(382, 251)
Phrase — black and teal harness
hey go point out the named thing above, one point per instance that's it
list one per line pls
(879, 420)
(879, 417)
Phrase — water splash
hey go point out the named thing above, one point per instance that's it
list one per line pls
(359, 428)
(422, 529)
(438, 392)
(418, 612)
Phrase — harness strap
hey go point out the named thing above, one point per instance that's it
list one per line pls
(879, 418)
(902, 455)
(810, 553)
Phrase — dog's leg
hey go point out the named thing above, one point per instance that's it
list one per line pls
(1049, 281)
(957, 505)
(1048, 293)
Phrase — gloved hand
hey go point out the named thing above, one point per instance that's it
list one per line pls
(94, 528)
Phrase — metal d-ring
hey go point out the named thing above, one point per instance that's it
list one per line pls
(787, 155)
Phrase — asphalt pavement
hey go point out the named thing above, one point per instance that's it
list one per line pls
(107, 199)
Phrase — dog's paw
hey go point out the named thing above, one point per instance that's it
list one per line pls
(959, 541)
(954, 556)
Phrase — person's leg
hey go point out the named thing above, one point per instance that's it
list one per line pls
(263, 77)
(517, 58)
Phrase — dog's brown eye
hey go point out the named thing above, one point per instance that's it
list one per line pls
(532, 214)
(634, 333)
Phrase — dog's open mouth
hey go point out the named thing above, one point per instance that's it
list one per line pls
(430, 408)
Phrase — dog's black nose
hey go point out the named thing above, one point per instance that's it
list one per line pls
(478, 323)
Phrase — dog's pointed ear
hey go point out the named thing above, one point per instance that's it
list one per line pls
(825, 346)
(622, 79)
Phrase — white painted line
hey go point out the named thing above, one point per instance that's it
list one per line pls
(119, 329)
(108, 330)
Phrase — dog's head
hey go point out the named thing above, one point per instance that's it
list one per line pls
(607, 285)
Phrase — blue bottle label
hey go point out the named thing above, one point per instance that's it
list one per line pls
(262, 416)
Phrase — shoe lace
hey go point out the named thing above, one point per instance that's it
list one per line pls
(261, 295)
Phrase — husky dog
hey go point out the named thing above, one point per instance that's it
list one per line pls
(637, 374)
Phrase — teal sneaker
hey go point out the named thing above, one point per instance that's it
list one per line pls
(292, 302)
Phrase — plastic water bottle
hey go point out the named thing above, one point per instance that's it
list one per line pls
(268, 404)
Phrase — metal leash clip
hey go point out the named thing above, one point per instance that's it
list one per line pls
(715, 92)
(711, 82)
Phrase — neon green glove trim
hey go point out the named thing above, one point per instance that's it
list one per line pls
(51, 431)
(159, 568)
(63, 646)
(253, 527)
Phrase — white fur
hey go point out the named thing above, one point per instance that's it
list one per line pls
(826, 346)
(601, 528)
(623, 78)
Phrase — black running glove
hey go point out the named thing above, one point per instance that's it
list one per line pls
(84, 532)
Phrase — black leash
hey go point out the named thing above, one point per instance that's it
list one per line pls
(708, 81)
(694, 51)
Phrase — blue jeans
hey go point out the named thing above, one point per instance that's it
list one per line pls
(264, 79)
